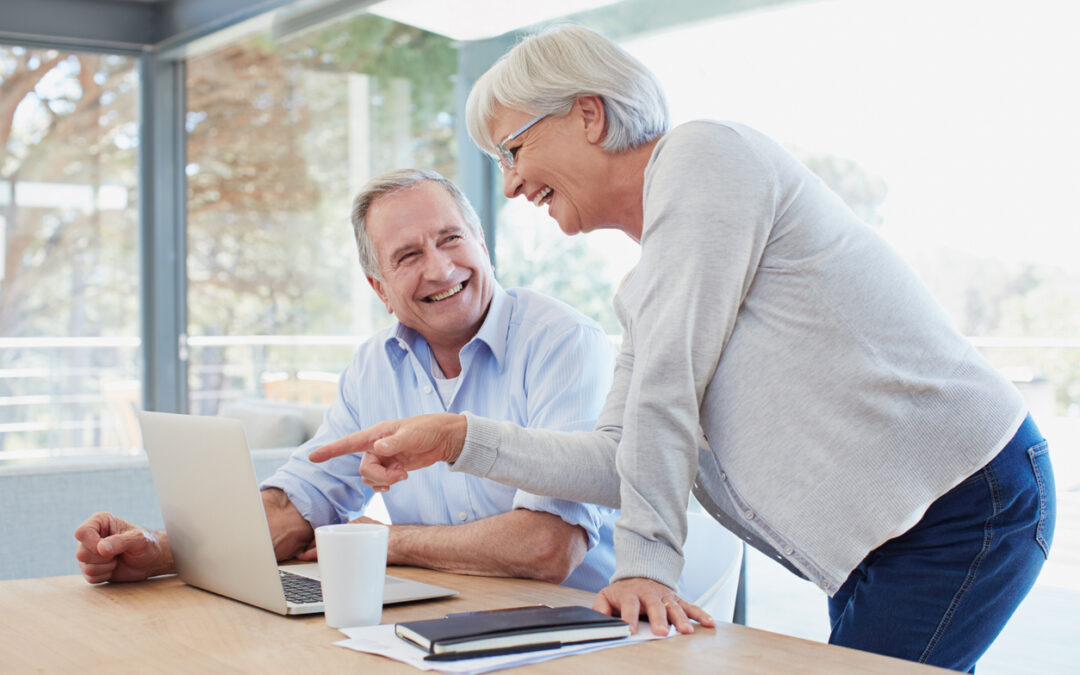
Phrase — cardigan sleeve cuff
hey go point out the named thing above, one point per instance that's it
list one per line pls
(481, 447)
(636, 556)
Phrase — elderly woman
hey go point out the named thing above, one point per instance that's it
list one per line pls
(852, 434)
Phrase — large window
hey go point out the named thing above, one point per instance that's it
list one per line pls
(281, 132)
(69, 346)
(949, 125)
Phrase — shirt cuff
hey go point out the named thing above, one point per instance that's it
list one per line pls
(315, 509)
(636, 556)
(575, 513)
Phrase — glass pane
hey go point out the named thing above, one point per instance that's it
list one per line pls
(69, 316)
(282, 131)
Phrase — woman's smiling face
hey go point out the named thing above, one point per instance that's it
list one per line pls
(553, 164)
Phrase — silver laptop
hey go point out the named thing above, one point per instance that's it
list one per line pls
(217, 528)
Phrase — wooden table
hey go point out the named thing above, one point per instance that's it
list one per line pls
(64, 625)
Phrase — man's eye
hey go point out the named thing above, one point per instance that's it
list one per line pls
(514, 151)
(407, 257)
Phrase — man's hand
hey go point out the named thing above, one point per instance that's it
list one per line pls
(392, 449)
(291, 534)
(636, 597)
(111, 549)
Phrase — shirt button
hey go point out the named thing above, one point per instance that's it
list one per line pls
(723, 476)
(463, 516)
(401, 343)
(748, 514)
(788, 550)
(428, 390)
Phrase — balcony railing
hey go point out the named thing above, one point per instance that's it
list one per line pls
(64, 397)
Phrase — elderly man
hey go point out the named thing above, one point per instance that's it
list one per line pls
(460, 343)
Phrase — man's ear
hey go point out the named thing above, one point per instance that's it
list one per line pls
(594, 116)
(380, 290)
(483, 246)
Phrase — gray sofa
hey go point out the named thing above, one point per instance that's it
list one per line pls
(41, 505)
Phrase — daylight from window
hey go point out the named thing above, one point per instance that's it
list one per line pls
(281, 132)
(69, 346)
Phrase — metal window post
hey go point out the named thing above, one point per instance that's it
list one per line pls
(162, 232)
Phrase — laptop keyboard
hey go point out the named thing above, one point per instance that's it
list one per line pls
(300, 590)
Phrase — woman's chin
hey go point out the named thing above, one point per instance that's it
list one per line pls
(568, 227)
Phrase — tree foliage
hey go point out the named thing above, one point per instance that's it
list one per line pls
(270, 153)
(66, 121)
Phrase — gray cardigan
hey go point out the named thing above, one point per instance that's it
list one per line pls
(837, 399)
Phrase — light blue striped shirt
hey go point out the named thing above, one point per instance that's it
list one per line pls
(535, 362)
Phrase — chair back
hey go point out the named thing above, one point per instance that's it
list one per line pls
(710, 577)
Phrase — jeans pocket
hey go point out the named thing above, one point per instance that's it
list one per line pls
(1044, 479)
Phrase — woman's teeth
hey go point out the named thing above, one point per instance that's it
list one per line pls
(542, 197)
(447, 293)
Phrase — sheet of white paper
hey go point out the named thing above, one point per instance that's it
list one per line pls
(382, 640)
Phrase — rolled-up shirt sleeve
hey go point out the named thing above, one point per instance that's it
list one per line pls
(326, 493)
(588, 517)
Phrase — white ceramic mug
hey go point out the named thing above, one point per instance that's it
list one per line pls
(352, 565)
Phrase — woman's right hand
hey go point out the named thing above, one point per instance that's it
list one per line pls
(392, 449)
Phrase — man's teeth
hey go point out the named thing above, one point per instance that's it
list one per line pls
(541, 196)
(447, 293)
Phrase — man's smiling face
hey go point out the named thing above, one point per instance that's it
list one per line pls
(437, 278)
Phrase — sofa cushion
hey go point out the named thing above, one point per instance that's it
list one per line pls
(268, 425)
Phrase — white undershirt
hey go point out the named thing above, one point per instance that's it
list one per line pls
(445, 385)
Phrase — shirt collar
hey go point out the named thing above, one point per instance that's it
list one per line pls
(493, 332)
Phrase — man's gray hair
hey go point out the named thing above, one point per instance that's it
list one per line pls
(544, 74)
(390, 183)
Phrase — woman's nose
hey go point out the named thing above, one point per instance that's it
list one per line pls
(511, 183)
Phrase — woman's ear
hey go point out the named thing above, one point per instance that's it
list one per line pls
(594, 117)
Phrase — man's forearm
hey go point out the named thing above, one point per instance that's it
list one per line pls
(519, 543)
(290, 532)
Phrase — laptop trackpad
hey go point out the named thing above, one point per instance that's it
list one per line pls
(311, 571)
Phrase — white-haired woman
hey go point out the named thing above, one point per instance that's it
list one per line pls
(852, 433)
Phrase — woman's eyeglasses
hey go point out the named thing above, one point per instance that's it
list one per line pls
(506, 157)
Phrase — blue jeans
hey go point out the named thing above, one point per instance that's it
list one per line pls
(941, 592)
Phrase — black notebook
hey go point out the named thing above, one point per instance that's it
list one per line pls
(508, 631)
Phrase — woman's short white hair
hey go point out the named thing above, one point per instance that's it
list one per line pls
(545, 73)
(390, 183)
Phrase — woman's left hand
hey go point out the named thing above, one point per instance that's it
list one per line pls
(635, 597)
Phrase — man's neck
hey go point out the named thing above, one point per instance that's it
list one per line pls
(448, 355)
(449, 360)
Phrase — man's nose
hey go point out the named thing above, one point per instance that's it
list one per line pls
(438, 265)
